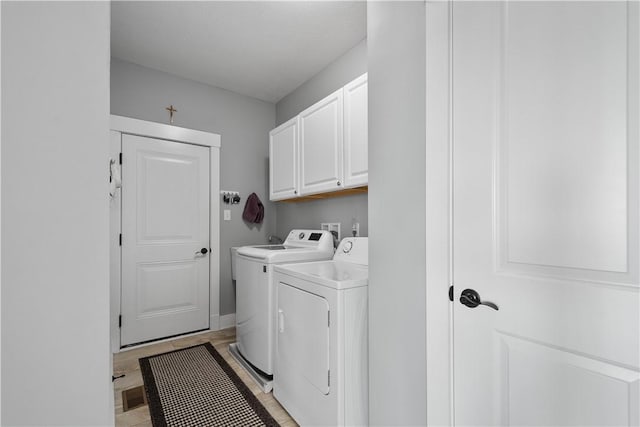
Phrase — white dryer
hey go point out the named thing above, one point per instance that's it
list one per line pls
(255, 296)
(321, 366)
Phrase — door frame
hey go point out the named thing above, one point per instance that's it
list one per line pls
(438, 164)
(124, 125)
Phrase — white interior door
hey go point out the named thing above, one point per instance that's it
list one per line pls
(545, 223)
(165, 227)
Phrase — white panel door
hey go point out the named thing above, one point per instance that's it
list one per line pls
(356, 133)
(545, 213)
(283, 161)
(165, 225)
(321, 136)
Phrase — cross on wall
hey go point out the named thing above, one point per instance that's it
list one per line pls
(171, 110)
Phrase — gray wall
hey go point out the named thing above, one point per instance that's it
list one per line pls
(397, 351)
(350, 65)
(56, 363)
(244, 124)
(310, 214)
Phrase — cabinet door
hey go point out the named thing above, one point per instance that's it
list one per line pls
(356, 136)
(321, 136)
(283, 161)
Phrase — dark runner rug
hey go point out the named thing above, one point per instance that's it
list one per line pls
(195, 386)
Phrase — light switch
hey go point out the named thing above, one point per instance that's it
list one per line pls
(227, 215)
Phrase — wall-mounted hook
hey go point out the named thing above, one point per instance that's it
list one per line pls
(230, 197)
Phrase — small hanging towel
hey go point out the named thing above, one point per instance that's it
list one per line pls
(253, 209)
(115, 181)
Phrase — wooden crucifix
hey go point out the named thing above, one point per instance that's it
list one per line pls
(171, 110)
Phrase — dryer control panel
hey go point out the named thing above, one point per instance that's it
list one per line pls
(353, 249)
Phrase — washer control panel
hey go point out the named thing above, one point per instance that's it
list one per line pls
(320, 239)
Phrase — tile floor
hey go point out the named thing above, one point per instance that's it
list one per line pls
(126, 362)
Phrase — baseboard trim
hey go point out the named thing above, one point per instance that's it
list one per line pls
(227, 321)
(214, 322)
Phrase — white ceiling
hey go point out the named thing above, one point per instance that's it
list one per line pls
(263, 49)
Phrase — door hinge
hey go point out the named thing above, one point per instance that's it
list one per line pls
(329, 378)
(120, 321)
(264, 268)
(451, 293)
(120, 158)
(328, 318)
(120, 239)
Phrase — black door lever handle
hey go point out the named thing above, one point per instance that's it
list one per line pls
(471, 299)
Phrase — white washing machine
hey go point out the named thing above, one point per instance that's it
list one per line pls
(321, 364)
(255, 296)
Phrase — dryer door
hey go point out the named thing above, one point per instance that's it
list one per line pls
(303, 340)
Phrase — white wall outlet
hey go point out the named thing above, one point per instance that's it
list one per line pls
(331, 226)
(227, 215)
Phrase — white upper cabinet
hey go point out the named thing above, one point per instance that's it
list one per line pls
(324, 148)
(321, 135)
(283, 161)
(356, 136)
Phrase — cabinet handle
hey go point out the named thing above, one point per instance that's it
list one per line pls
(339, 184)
(295, 191)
